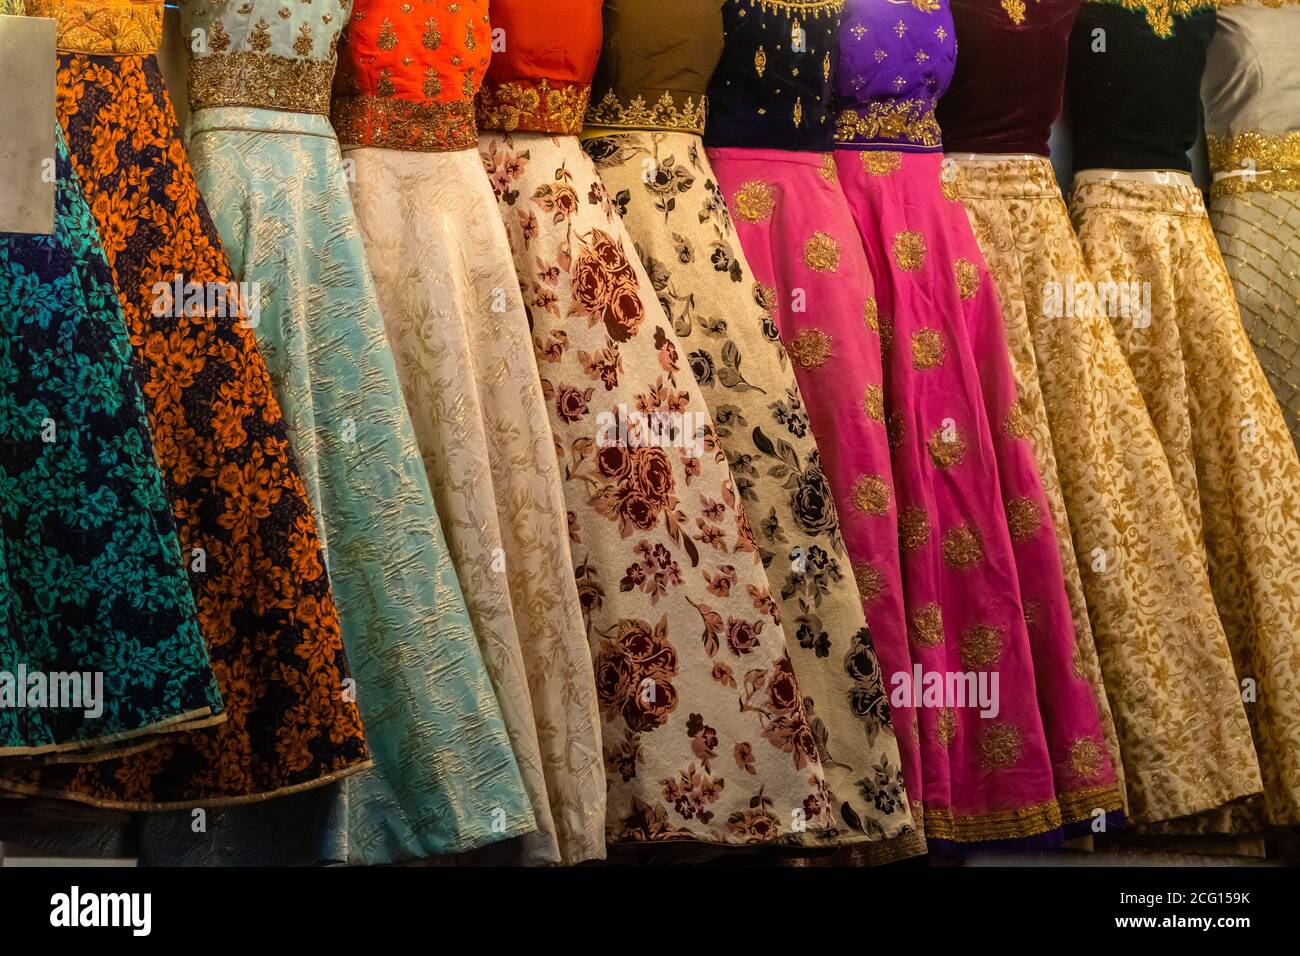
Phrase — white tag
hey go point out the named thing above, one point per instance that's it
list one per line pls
(28, 62)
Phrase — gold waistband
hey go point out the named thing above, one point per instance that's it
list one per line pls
(671, 111)
(104, 27)
(261, 80)
(1263, 162)
(392, 123)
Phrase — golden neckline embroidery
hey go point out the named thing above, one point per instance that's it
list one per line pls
(261, 80)
(533, 106)
(665, 114)
(104, 27)
(1160, 14)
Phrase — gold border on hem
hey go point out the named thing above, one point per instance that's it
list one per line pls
(1078, 805)
(99, 756)
(28, 790)
(1010, 824)
(174, 724)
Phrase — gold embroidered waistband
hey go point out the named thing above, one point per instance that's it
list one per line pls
(813, 8)
(261, 80)
(533, 106)
(665, 114)
(901, 122)
(104, 27)
(1277, 181)
(385, 121)
(1254, 150)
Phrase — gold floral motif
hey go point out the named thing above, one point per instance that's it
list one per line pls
(665, 114)
(928, 350)
(947, 448)
(967, 275)
(810, 349)
(981, 646)
(432, 85)
(303, 44)
(1000, 747)
(962, 547)
(218, 38)
(821, 252)
(881, 162)
(262, 81)
(432, 39)
(760, 61)
(260, 39)
(911, 121)
(384, 86)
(871, 495)
(470, 42)
(926, 6)
(754, 201)
(1017, 424)
(945, 727)
(798, 111)
(1015, 10)
(1086, 757)
(873, 403)
(909, 250)
(533, 106)
(1024, 518)
(1252, 149)
(387, 38)
(1160, 14)
(828, 171)
(913, 528)
(927, 625)
(869, 580)
(871, 314)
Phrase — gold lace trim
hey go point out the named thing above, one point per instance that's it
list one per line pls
(1160, 13)
(1254, 150)
(665, 114)
(533, 106)
(813, 8)
(1285, 181)
(908, 120)
(391, 123)
(104, 27)
(261, 80)
(1079, 805)
(1271, 4)
(1003, 825)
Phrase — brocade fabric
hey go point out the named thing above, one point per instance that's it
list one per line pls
(1164, 658)
(242, 514)
(772, 88)
(92, 581)
(723, 317)
(454, 316)
(1234, 463)
(706, 732)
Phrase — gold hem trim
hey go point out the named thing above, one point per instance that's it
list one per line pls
(167, 724)
(1078, 805)
(99, 756)
(29, 790)
(261, 81)
(1278, 181)
(1251, 149)
(1032, 820)
(533, 106)
(665, 114)
(391, 123)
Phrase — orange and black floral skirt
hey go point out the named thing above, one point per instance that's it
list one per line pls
(247, 532)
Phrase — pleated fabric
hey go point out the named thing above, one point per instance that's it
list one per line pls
(705, 732)
(457, 326)
(92, 582)
(949, 376)
(1164, 658)
(445, 777)
(685, 237)
(1235, 467)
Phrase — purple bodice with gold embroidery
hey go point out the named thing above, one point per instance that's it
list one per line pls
(896, 57)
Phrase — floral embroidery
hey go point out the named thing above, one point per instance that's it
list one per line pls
(1024, 518)
(1000, 747)
(822, 252)
(909, 250)
(947, 448)
(871, 495)
(927, 625)
(881, 162)
(981, 646)
(810, 348)
(754, 201)
(968, 278)
(927, 349)
(962, 547)
(913, 528)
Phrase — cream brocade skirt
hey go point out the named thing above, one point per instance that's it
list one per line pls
(1167, 669)
(1233, 459)
(450, 300)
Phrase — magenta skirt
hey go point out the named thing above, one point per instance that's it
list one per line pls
(909, 390)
